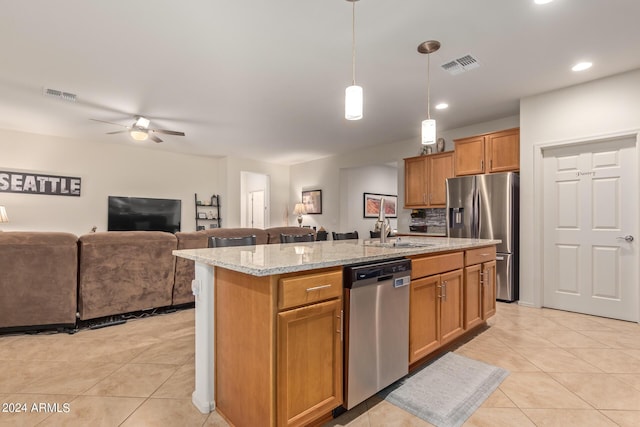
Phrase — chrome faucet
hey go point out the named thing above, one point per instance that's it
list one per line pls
(382, 224)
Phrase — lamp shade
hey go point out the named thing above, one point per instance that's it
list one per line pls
(299, 209)
(353, 103)
(428, 132)
(3, 215)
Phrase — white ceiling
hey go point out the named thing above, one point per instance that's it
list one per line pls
(266, 79)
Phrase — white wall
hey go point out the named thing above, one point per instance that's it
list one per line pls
(105, 170)
(231, 169)
(583, 112)
(379, 179)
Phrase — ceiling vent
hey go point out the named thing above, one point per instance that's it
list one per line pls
(55, 93)
(460, 65)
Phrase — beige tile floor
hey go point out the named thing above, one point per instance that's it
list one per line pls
(565, 369)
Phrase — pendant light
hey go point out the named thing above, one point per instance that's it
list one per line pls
(353, 94)
(429, 125)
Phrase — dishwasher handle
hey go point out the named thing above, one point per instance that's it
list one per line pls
(383, 278)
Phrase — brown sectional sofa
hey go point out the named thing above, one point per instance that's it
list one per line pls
(124, 271)
(46, 278)
(38, 279)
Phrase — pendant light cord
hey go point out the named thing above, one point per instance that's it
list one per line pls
(428, 85)
(353, 43)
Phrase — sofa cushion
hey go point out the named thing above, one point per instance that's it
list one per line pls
(125, 271)
(38, 278)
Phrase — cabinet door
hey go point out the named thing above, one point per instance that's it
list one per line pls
(309, 362)
(451, 306)
(415, 175)
(440, 167)
(469, 155)
(473, 303)
(424, 312)
(488, 289)
(503, 151)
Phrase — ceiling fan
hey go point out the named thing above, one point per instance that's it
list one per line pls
(140, 130)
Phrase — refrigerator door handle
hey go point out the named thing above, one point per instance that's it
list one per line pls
(476, 215)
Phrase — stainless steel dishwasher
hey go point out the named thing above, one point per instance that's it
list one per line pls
(377, 327)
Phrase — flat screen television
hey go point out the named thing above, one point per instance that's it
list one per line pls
(143, 214)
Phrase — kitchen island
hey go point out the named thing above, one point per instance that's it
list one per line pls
(269, 321)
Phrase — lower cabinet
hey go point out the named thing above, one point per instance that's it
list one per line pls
(479, 286)
(488, 289)
(480, 293)
(309, 362)
(450, 294)
(436, 314)
(278, 347)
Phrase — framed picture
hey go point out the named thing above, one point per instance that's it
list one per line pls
(440, 145)
(202, 215)
(312, 201)
(371, 205)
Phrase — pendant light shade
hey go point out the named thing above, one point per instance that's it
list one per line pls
(428, 132)
(353, 103)
(429, 125)
(353, 97)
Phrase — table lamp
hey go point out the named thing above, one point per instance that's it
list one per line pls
(3, 215)
(299, 210)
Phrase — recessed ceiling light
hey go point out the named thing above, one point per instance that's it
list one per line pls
(442, 106)
(542, 1)
(581, 66)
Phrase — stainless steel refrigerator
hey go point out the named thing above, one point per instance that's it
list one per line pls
(487, 207)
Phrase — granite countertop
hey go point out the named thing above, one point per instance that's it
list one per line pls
(266, 260)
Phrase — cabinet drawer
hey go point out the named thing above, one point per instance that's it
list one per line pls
(427, 266)
(479, 255)
(309, 288)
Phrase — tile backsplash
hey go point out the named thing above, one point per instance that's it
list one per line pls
(429, 220)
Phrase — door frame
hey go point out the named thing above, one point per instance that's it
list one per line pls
(538, 199)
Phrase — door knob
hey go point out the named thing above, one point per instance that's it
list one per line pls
(627, 238)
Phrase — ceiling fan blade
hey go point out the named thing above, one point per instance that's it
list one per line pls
(109, 123)
(168, 132)
(117, 131)
(154, 138)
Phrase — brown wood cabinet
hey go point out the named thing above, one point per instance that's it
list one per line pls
(436, 303)
(278, 348)
(479, 286)
(488, 153)
(309, 362)
(425, 180)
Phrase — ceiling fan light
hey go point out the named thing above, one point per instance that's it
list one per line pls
(428, 132)
(139, 135)
(353, 103)
(141, 122)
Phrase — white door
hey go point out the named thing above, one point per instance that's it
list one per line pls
(590, 206)
(256, 209)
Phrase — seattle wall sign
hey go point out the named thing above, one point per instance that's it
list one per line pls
(30, 183)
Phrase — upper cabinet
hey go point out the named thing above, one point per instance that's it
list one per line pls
(425, 180)
(489, 153)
